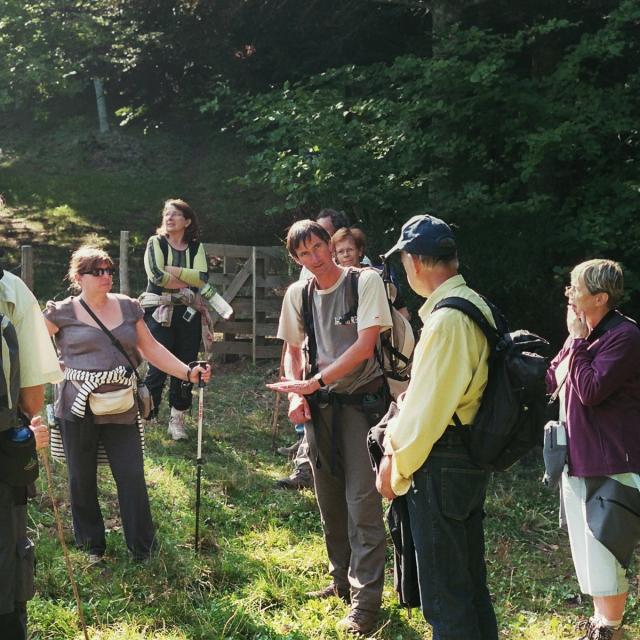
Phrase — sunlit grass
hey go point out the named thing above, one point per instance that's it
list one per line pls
(262, 549)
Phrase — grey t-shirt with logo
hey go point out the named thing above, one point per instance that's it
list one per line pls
(335, 329)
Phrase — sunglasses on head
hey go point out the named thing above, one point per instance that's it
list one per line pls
(100, 271)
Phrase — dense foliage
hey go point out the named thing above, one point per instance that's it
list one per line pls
(526, 139)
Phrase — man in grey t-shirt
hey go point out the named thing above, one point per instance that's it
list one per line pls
(336, 405)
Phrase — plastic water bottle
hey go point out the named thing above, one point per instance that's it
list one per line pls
(19, 434)
(216, 301)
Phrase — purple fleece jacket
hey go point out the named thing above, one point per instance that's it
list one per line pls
(602, 400)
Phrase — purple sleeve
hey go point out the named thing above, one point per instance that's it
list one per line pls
(595, 378)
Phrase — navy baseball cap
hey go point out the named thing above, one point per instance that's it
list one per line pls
(425, 235)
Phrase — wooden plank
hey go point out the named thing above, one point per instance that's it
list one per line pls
(227, 250)
(26, 266)
(234, 287)
(271, 305)
(254, 269)
(124, 263)
(223, 280)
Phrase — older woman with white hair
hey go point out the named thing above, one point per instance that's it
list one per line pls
(597, 372)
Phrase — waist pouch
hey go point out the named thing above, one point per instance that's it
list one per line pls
(18, 461)
(110, 402)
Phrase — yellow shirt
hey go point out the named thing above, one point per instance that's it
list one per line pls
(448, 376)
(38, 359)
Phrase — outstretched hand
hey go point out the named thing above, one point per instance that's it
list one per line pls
(300, 387)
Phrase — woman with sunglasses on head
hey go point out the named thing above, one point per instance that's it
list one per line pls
(176, 267)
(596, 375)
(96, 403)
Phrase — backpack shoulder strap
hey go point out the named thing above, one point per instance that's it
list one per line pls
(307, 319)
(353, 277)
(194, 245)
(469, 309)
(164, 247)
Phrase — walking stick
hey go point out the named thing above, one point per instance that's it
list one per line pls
(199, 457)
(276, 408)
(65, 552)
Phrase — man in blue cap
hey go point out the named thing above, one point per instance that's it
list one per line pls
(425, 456)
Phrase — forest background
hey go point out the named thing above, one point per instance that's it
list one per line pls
(515, 121)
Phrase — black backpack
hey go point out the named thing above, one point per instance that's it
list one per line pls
(512, 412)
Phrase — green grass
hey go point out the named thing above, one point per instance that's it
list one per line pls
(263, 548)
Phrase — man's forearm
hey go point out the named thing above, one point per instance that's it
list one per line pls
(31, 400)
(293, 368)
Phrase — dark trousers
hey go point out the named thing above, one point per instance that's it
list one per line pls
(16, 566)
(350, 506)
(446, 511)
(182, 338)
(123, 448)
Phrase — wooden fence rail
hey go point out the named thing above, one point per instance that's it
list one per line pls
(251, 279)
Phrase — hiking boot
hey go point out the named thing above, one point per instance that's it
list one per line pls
(330, 591)
(585, 626)
(176, 425)
(299, 479)
(601, 631)
(359, 622)
(289, 452)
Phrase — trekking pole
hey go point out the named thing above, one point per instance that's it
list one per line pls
(276, 408)
(65, 552)
(199, 455)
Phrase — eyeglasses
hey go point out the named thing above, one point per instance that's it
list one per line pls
(345, 252)
(100, 271)
(572, 290)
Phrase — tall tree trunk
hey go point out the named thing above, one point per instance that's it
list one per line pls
(101, 104)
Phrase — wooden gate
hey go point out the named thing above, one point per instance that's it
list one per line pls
(253, 281)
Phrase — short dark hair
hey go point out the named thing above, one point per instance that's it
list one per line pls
(299, 232)
(339, 219)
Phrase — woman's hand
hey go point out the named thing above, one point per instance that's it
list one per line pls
(197, 371)
(576, 324)
(40, 432)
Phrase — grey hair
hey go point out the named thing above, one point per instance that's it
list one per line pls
(601, 276)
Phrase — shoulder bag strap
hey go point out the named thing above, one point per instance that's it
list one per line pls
(114, 341)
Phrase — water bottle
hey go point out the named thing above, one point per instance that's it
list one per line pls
(19, 435)
(216, 301)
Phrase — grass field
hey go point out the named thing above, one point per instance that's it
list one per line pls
(263, 548)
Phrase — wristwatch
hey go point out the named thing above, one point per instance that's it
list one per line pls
(321, 382)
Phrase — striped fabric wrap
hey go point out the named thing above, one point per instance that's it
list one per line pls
(91, 380)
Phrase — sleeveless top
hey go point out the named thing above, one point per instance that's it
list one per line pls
(87, 347)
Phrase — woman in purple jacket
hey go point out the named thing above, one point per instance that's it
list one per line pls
(598, 370)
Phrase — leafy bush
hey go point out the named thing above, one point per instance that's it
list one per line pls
(526, 141)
